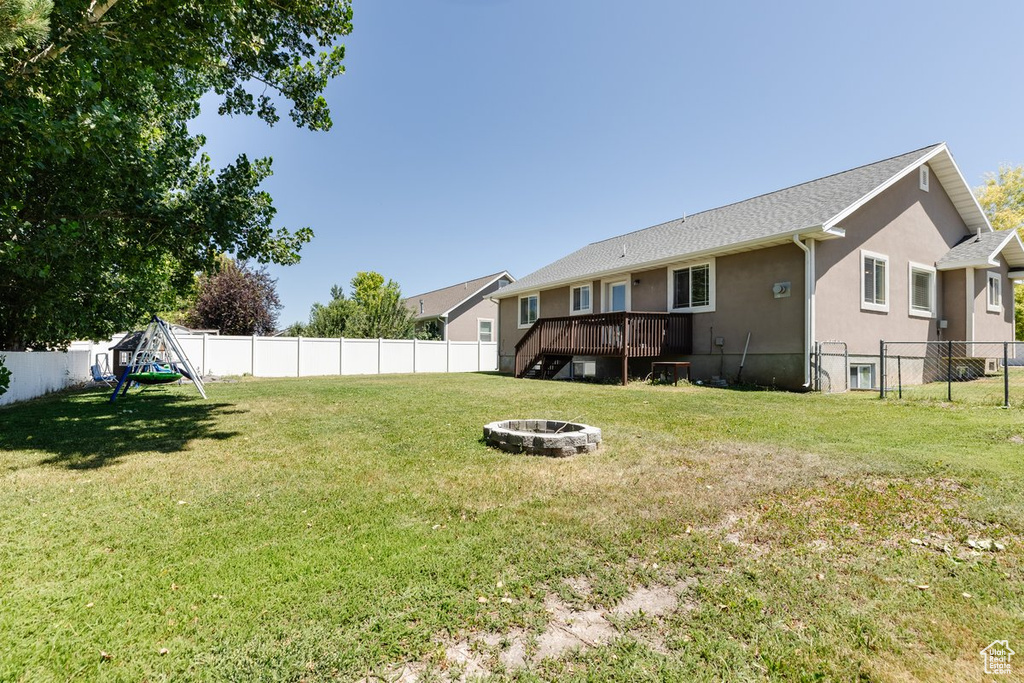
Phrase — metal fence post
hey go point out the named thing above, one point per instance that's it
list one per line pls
(881, 368)
(899, 375)
(1006, 374)
(949, 370)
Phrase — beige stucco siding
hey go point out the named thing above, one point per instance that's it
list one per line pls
(992, 326)
(953, 303)
(745, 303)
(463, 320)
(905, 224)
(651, 294)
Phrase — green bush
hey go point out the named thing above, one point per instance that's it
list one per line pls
(5, 376)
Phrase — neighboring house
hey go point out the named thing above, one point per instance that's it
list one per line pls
(894, 250)
(462, 312)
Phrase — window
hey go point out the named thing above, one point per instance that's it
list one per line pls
(579, 299)
(862, 376)
(874, 282)
(503, 282)
(529, 309)
(925, 177)
(484, 329)
(995, 293)
(922, 290)
(616, 296)
(125, 357)
(691, 287)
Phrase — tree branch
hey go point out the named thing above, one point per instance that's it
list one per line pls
(93, 16)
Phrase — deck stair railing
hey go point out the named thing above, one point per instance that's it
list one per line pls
(627, 334)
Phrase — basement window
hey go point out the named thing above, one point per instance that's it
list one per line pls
(862, 376)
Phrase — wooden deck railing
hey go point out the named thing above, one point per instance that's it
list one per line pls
(624, 334)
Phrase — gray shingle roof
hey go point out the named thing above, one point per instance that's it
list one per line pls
(440, 301)
(974, 249)
(802, 206)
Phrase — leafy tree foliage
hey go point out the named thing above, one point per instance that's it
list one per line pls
(1002, 199)
(327, 320)
(380, 311)
(375, 310)
(236, 299)
(107, 206)
(5, 376)
(23, 22)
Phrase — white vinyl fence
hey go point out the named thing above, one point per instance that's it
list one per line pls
(308, 356)
(35, 373)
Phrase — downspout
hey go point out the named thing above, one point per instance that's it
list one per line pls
(444, 334)
(809, 279)
(970, 303)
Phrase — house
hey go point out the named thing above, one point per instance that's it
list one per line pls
(894, 250)
(462, 312)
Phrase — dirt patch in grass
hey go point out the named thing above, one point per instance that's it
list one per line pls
(568, 631)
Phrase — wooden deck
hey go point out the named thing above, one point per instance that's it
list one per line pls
(552, 342)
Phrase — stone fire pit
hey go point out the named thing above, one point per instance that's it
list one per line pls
(542, 437)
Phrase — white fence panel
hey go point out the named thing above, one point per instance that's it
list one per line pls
(277, 357)
(319, 357)
(360, 357)
(396, 355)
(463, 357)
(225, 355)
(431, 356)
(489, 357)
(194, 349)
(35, 373)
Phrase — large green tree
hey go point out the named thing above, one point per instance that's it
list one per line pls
(237, 299)
(374, 310)
(380, 311)
(327, 320)
(107, 204)
(1002, 199)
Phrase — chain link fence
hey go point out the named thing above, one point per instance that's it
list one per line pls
(832, 367)
(984, 373)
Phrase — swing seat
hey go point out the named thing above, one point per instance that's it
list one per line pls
(154, 377)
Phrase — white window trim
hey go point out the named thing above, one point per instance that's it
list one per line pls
(519, 310)
(491, 321)
(872, 374)
(867, 305)
(712, 288)
(924, 177)
(583, 311)
(606, 299)
(997, 278)
(933, 295)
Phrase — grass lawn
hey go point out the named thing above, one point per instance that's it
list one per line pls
(357, 528)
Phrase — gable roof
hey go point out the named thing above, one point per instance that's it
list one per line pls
(815, 208)
(981, 250)
(440, 302)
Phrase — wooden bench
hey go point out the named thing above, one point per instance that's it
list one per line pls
(675, 366)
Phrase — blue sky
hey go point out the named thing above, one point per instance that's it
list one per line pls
(472, 136)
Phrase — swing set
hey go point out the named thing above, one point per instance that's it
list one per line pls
(158, 359)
